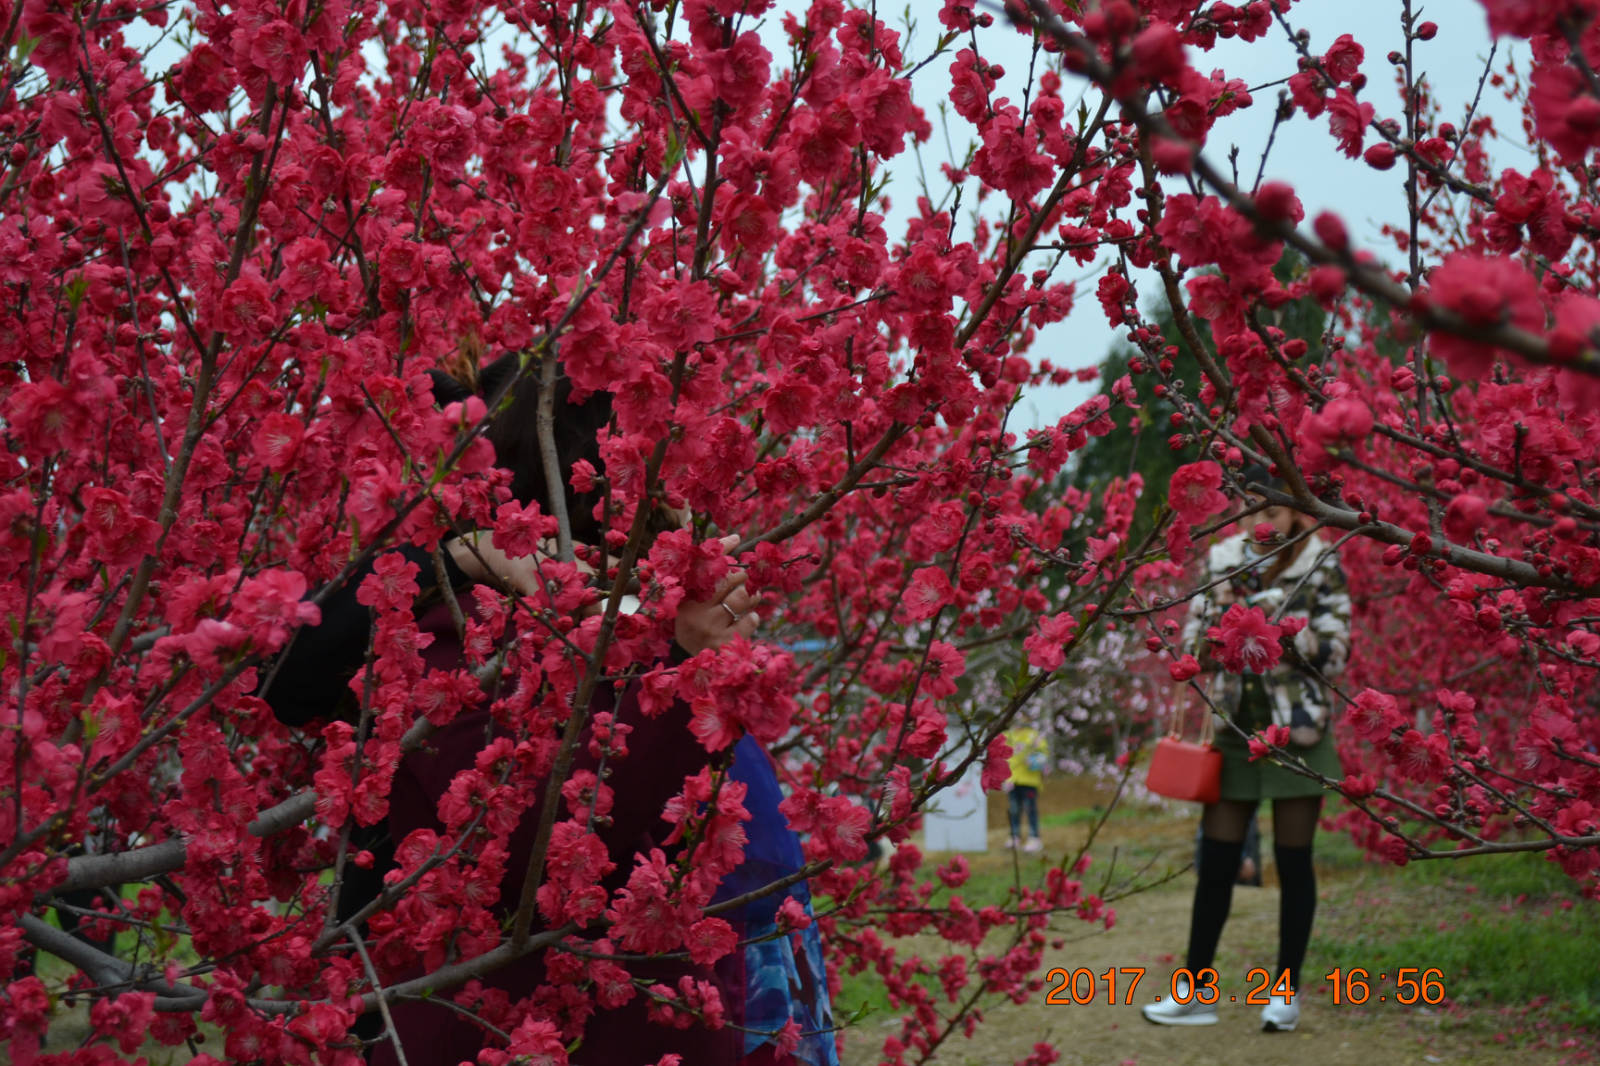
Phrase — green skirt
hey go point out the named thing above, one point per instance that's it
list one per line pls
(1251, 782)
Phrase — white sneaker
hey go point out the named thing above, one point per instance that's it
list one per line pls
(1011, 842)
(1034, 845)
(1280, 1015)
(1171, 1012)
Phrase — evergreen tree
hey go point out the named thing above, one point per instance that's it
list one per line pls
(1138, 444)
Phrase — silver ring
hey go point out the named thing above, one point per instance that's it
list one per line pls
(724, 605)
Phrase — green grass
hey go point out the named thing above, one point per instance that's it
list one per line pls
(1076, 816)
(861, 996)
(1514, 942)
(1499, 877)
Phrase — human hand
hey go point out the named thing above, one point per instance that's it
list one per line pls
(727, 614)
(483, 562)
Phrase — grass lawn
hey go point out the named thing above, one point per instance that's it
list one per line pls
(1517, 948)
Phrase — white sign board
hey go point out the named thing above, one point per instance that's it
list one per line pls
(958, 817)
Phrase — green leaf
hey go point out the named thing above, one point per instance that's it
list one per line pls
(862, 1011)
(76, 289)
(675, 151)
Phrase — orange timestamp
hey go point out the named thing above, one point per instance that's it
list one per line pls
(1411, 985)
(1082, 986)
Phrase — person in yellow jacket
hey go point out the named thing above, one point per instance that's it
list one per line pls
(1030, 754)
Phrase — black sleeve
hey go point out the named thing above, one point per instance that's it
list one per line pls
(312, 675)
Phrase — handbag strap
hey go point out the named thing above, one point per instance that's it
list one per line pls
(1208, 726)
(1208, 723)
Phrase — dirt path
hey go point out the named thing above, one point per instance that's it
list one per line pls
(1150, 932)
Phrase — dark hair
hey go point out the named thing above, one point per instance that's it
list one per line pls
(514, 432)
(1261, 475)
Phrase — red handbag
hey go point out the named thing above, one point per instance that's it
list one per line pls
(1184, 770)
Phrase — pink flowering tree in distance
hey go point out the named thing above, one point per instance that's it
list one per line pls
(234, 237)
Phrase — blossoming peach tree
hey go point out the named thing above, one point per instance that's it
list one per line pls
(236, 237)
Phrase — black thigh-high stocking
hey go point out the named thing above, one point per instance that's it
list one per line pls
(1294, 825)
(1222, 830)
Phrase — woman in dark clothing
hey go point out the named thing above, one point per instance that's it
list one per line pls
(771, 980)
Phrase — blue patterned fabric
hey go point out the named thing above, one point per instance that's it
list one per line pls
(784, 974)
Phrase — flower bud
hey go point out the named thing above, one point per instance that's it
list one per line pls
(1330, 230)
(1380, 156)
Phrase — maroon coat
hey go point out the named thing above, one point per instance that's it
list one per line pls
(663, 751)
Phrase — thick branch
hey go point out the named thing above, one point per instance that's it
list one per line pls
(143, 864)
